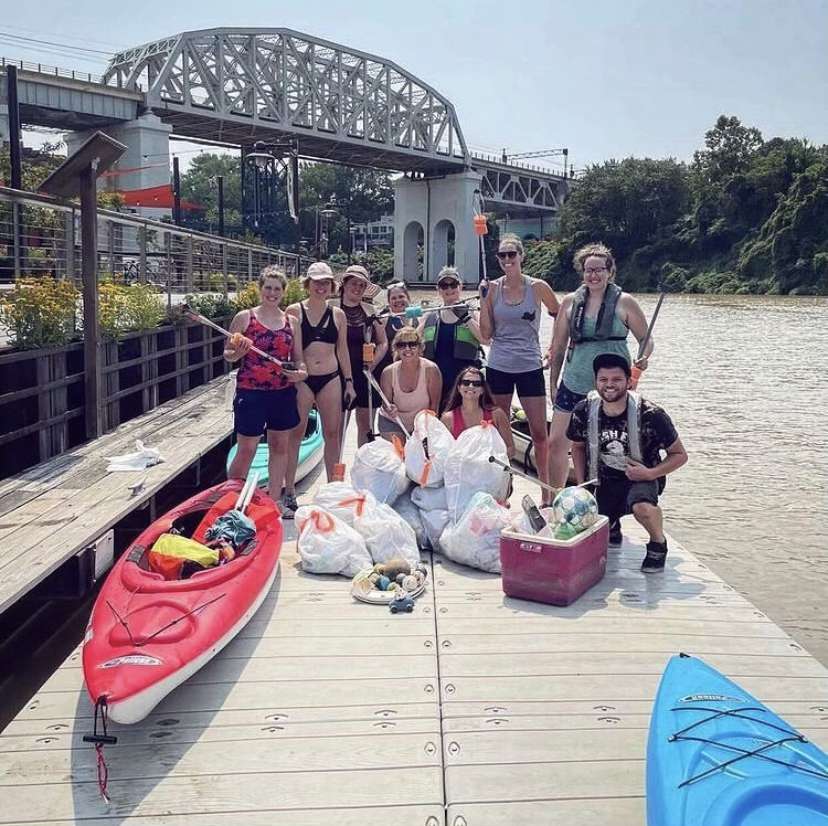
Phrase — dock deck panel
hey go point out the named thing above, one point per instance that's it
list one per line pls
(475, 710)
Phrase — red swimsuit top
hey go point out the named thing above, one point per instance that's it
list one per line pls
(257, 373)
(458, 423)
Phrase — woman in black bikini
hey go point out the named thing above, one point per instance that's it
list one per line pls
(326, 356)
(363, 328)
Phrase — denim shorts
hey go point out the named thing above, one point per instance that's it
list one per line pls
(258, 410)
(566, 399)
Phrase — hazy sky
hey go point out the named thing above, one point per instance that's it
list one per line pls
(606, 79)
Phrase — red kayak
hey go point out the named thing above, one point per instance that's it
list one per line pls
(148, 633)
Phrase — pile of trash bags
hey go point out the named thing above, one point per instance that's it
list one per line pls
(441, 494)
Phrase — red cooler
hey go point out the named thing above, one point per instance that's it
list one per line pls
(554, 571)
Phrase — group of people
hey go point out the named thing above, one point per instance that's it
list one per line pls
(336, 349)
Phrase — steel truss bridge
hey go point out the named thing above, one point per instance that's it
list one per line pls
(238, 85)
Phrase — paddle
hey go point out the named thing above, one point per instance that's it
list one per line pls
(192, 314)
(509, 469)
(375, 384)
(635, 372)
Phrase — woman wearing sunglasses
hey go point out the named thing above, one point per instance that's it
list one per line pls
(594, 320)
(412, 383)
(398, 300)
(510, 316)
(470, 403)
(452, 338)
(363, 328)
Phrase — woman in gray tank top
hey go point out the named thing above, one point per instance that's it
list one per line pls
(510, 317)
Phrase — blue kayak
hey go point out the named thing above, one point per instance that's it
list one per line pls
(716, 756)
(311, 451)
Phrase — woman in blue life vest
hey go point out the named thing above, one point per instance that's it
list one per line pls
(510, 315)
(266, 399)
(452, 338)
(593, 320)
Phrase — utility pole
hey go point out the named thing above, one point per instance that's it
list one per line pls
(221, 205)
(176, 193)
(15, 150)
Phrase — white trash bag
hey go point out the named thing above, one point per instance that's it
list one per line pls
(434, 523)
(143, 458)
(521, 524)
(379, 469)
(431, 434)
(387, 535)
(343, 501)
(430, 499)
(475, 539)
(469, 471)
(406, 508)
(327, 545)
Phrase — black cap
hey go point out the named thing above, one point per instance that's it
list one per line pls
(610, 360)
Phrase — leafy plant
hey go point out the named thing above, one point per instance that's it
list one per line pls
(124, 308)
(40, 312)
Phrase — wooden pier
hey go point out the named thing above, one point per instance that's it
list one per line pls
(475, 710)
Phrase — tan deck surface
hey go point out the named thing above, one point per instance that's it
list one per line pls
(474, 710)
(53, 510)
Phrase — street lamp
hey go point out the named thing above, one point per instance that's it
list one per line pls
(327, 212)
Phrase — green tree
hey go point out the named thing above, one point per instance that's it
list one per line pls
(728, 149)
(199, 184)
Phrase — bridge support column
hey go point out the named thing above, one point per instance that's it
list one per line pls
(148, 155)
(428, 212)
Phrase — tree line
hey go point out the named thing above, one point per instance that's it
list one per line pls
(747, 215)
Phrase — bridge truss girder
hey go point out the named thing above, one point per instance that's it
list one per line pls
(242, 85)
(521, 191)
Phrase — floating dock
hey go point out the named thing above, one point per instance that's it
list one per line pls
(475, 710)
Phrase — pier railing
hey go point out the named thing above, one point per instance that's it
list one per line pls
(42, 399)
(41, 235)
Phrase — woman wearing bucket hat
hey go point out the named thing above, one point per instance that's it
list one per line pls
(329, 381)
(367, 342)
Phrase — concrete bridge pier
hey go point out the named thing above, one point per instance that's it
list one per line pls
(435, 212)
(144, 165)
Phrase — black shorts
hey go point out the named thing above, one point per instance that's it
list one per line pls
(616, 497)
(361, 388)
(528, 385)
(258, 410)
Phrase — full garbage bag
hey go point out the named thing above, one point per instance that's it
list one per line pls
(386, 534)
(475, 539)
(468, 470)
(327, 545)
(406, 508)
(427, 449)
(343, 501)
(430, 499)
(379, 469)
(434, 523)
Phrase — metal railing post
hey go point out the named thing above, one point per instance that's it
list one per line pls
(143, 275)
(69, 243)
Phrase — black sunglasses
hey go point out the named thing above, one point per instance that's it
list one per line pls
(448, 285)
(507, 254)
(399, 345)
(471, 383)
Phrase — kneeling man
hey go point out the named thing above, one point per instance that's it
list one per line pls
(618, 438)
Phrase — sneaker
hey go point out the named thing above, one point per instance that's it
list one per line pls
(615, 535)
(288, 505)
(656, 557)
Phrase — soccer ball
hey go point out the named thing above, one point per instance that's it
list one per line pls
(574, 510)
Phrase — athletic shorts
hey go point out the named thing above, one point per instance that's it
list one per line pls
(566, 399)
(258, 410)
(528, 385)
(616, 497)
